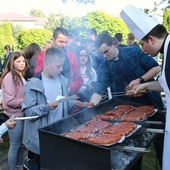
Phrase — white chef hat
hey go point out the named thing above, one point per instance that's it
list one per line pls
(138, 22)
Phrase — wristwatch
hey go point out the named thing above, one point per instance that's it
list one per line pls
(142, 80)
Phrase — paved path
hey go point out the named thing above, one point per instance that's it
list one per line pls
(4, 164)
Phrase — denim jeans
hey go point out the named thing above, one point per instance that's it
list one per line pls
(16, 150)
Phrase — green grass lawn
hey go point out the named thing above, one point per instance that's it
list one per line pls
(149, 159)
(4, 146)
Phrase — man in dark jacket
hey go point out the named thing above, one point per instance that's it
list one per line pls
(125, 68)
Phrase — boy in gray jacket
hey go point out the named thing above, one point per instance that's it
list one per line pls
(40, 99)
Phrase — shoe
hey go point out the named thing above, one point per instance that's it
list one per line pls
(30, 164)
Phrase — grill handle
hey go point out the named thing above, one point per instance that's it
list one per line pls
(132, 149)
(161, 131)
(154, 122)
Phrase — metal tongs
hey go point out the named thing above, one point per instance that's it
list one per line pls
(131, 93)
(128, 93)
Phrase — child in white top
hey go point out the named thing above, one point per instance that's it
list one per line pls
(9, 124)
(88, 74)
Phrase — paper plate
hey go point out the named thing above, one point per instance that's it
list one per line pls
(25, 118)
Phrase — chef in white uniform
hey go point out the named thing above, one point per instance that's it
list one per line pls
(153, 38)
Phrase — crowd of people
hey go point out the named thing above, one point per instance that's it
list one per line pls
(67, 65)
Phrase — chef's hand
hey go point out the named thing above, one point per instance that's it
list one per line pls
(84, 104)
(1, 140)
(10, 123)
(137, 91)
(139, 88)
(90, 105)
(132, 84)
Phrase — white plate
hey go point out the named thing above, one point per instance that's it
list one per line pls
(25, 118)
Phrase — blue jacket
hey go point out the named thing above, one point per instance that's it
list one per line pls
(138, 61)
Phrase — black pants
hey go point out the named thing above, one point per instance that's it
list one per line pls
(30, 155)
(37, 161)
(34, 156)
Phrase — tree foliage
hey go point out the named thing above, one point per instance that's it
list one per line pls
(98, 20)
(79, 24)
(166, 19)
(37, 13)
(58, 20)
(103, 21)
(64, 21)
(156, 5)
(33, 35)
(6, 37)
(16, 29)
(52, 22)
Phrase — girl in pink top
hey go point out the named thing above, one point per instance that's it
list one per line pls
(12, 84)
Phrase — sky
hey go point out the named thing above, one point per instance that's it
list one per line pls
(71, 9)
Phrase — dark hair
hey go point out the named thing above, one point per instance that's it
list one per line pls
(31, 50)
(92, 31)
(89, 71)
(118, 36)
(105, 32)
(158, 31)
(59, 30)
(131, 36)
(10, 68)
(115, 41)
(31, 53)
(7, 47)
(103, 38)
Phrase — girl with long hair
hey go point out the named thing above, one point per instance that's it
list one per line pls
(12, 84)
(88, 74)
